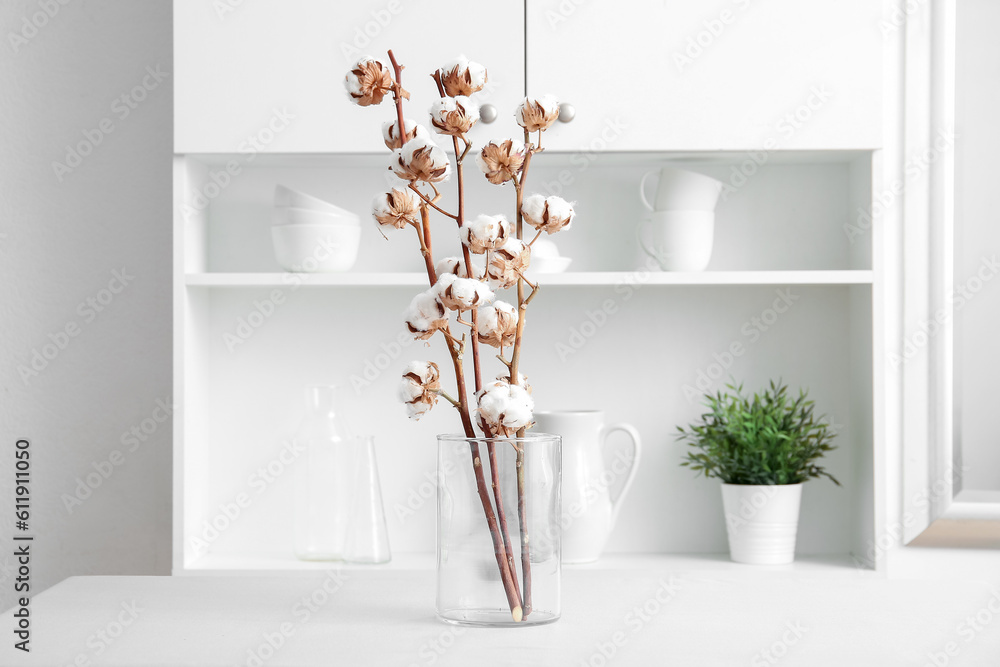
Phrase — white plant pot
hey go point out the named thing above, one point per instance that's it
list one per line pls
(762, 522)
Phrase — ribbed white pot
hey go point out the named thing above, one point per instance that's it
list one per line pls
(762, 522)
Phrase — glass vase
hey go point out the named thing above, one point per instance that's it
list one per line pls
(325, 472)
(499, 534)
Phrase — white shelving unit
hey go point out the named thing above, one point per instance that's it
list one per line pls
(786, 282)
(583, 278)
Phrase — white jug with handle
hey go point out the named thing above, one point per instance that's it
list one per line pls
(588, 512)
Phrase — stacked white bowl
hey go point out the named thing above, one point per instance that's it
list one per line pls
(311, 235)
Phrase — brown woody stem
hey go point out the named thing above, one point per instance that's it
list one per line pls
(431, 202)
(506, 551)
(522, 309)
(398, 94)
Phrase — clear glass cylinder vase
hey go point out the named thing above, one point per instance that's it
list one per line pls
(499, 533)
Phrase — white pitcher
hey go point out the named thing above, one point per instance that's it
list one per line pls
(588, 512)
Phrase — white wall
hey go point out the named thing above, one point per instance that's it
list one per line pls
(60, 241)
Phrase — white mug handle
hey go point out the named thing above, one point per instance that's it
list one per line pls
(642, 189)
(633, 469)
(642, 241)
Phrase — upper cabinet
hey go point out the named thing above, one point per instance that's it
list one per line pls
(267, 75)
(734, 75)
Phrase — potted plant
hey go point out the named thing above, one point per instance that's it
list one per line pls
(763, 449)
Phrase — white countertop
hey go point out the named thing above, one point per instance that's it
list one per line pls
(385, 617)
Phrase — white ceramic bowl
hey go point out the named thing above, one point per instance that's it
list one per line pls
(316, 248)
(308, 216)
(285, 197)
(542, 265)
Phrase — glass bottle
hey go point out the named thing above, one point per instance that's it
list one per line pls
(324, 482)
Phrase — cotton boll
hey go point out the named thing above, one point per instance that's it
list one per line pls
(497, 324)
(537, 114)
(396, 209)
(501, 160)
(462, 77)
(504, 408)
(484, 232)
(454, 115)
(420, 159)
(368, 81)
(462, 293)
(390, 132)
(550, 214)
(456, 266)
(507, 263)
(419, 387)
(425, 315)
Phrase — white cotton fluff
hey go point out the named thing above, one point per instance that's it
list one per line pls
(483, 232)
(559, 212)
(504, 407)
(424, 310)
(393, 127)
(515, 147)
(548, 103)
(462, 293)
(456, 266)
(488, 317)
(560, 209)
(477, 72)
(533, 208)
(405, 155)
(351, 82)
(445, 105)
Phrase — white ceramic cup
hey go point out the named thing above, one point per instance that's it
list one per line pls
(316, 248)
(681, 190)
(282, 215)
(678, 240)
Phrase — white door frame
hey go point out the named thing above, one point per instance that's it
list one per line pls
(932, 479)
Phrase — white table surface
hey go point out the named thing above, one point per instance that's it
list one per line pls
(385, 617)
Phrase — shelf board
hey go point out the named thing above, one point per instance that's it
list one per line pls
(389, 279)
(263, 564)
